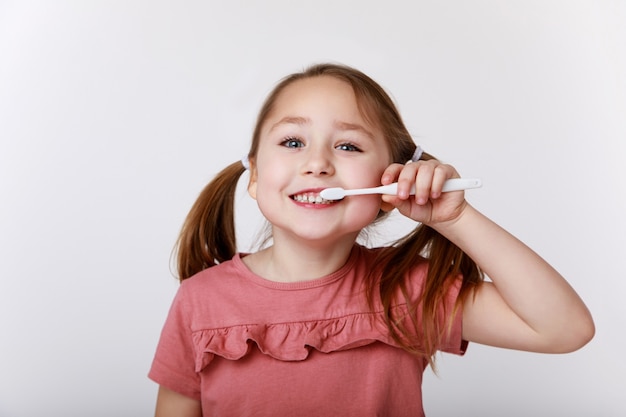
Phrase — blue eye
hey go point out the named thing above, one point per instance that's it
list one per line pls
(348, 147)
(292, 143)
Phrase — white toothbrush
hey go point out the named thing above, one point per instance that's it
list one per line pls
(453, 184)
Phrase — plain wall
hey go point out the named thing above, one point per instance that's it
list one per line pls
(114, 114)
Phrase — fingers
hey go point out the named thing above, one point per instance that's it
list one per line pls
(427, 176)
(391, 173)
(429, 206)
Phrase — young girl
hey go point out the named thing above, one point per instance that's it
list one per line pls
(317, 325)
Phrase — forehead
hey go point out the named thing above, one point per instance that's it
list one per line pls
(319, 94)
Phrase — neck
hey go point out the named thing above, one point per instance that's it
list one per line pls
(289, 261)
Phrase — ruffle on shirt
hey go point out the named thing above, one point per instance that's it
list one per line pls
(289, 341)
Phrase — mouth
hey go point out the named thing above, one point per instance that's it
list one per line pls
(311, 198)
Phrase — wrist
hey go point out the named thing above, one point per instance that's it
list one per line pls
(447, 227)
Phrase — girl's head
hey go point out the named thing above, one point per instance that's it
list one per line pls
(317, 132)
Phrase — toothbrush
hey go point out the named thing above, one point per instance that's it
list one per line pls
(453, 184)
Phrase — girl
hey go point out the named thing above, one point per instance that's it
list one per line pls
(315, 324)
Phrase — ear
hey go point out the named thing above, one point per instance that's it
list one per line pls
(253, 179)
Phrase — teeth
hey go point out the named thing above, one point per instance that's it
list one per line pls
(310, 198)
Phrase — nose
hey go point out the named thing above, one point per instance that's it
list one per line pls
(318, 162)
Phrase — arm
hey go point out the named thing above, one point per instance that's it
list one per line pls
(529, 305)
(172, 404)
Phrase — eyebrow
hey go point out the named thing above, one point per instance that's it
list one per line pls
(339, 124)
(291, 120)
(353, 126)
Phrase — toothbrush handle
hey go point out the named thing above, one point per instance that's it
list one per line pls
(457, 184)
(453, 184)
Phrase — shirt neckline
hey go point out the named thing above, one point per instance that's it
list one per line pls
(298, 285)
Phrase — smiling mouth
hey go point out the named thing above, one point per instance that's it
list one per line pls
(310, 198)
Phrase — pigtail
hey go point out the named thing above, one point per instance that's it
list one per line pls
(445, 263)
(208, 236)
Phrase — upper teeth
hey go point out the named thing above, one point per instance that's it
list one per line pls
(310, 198)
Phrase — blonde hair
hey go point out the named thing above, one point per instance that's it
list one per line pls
(208, 237)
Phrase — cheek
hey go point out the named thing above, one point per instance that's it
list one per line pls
(266, 181)
(366, 208)
(368, 176)
(268, 186)
(268, 164)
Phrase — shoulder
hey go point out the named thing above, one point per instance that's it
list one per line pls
(213, 290)
(212, 275)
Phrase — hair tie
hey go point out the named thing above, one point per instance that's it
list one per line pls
(417, 154)
(245, 162)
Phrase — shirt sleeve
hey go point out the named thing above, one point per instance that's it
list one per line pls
(173, 365)
(451, 315)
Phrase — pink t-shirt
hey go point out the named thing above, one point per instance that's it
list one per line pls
(246, 346)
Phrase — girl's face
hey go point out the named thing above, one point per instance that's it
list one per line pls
(315, 138)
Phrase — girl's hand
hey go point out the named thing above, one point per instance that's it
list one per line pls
(429, 205)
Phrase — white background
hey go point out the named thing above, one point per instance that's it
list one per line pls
(114, 114)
